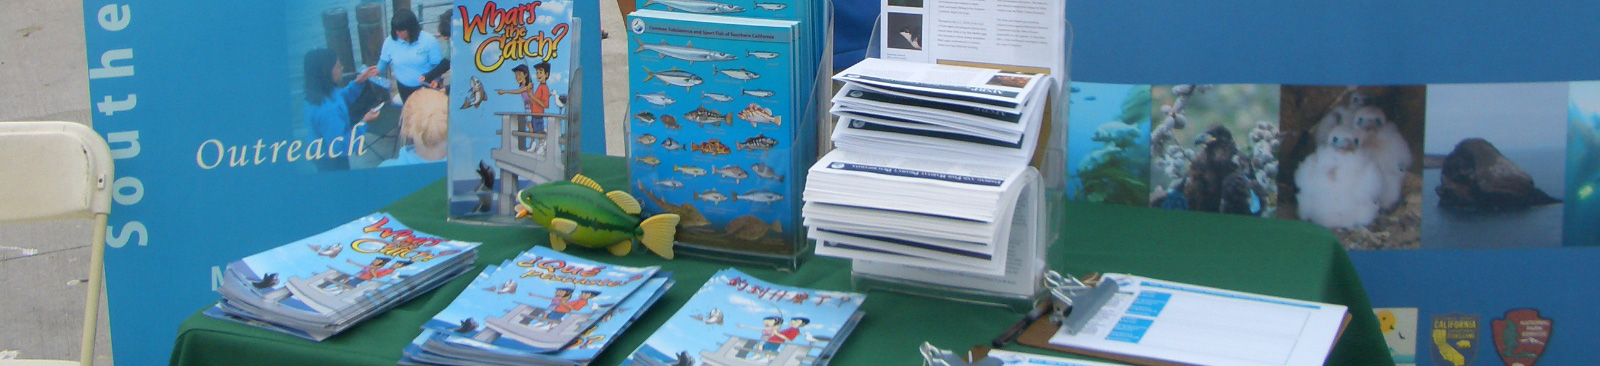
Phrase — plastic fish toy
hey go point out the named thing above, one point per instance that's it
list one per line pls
(647, 139)
(771, 6)
(670, 121)
(577, 212)
(758, 93)
(649, 160)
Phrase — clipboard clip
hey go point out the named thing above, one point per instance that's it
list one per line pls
(1075, 302)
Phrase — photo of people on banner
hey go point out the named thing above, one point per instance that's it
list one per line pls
(373, 85)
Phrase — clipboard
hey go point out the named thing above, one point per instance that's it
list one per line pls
(1038, 333)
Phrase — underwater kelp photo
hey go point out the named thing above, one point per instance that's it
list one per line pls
(1108, 144)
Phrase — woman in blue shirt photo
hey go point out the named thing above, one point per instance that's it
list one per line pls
(409, 52)
(328, 104)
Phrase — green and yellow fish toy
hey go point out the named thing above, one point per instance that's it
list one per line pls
(577, 212)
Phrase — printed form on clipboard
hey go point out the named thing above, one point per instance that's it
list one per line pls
(1176, 322)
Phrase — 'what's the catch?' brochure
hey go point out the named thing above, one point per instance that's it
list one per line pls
(543, 301)
(736, 319)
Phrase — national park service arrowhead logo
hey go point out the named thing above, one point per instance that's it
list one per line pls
(1455, 339)
(1520, 337)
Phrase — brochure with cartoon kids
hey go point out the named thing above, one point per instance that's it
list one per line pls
(440, 347)
(512, 70)
(716, 133)
(555, 297)
(736, 319)
(326, 282)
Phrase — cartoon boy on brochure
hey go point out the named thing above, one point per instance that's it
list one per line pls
(536, 99)
(775, 337)
(373, 271)
(562, 304)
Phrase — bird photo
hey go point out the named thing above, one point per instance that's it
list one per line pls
(1339, 184)
(266, 282)
(712, 318)
(475, 94)
(1331, 135)
(330, 251)
(1384, 145)
(1212, 147)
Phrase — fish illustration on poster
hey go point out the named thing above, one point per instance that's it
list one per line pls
(736, 319)
(509, 127)
(724, 91)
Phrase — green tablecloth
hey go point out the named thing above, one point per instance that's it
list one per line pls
(1273, 257)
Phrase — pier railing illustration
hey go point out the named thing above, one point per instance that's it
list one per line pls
(741, 351)
(537, 156)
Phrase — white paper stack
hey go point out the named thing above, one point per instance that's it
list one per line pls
(930, 166)
(943, 215)
(940, 112)
(319, 286)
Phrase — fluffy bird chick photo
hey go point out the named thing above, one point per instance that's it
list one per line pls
(1387, 123)
(1385, 146)
(1339, 185)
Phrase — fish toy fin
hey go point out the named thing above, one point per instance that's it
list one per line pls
(622, 248)
(658, 232)
(625, 201)
(564, 226)
(777, 228)
(586, 182)
(641, 44)
(777, 120)
(557, 243)
(689, 44)
(647, 76)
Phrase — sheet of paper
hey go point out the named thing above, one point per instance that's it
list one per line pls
(1195, 324)
(975, 32)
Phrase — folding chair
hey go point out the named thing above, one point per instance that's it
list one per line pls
(55, 171)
